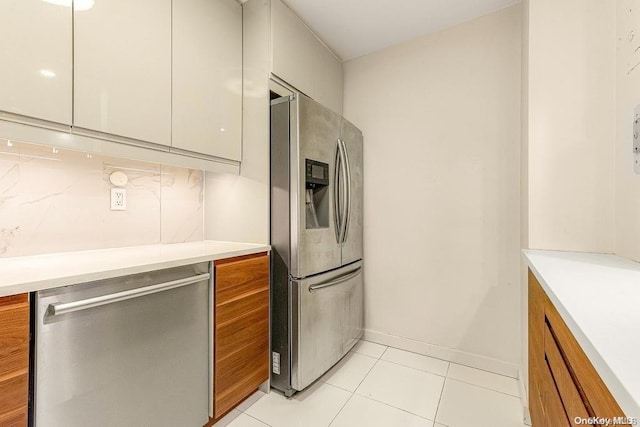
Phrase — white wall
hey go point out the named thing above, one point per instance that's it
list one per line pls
(441, 122)
(523, 375)
(568, 129)
(627, 97)
(571, 116)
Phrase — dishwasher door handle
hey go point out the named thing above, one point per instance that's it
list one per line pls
(59, 308)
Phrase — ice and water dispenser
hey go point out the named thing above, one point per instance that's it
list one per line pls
(317, 194)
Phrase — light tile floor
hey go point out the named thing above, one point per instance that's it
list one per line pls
(381, 386)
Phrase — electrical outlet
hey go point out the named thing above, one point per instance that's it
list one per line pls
(118, 199)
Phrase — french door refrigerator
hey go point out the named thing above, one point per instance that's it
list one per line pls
(316, 237)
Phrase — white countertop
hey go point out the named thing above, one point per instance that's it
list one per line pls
(598, 296)
(34, 273)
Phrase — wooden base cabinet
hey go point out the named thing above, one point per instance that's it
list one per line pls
(563, 384)
(14, 360)
(241, 329)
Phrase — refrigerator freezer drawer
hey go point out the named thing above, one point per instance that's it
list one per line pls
(329, 321)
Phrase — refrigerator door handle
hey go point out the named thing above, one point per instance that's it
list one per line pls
(347, 215)
(344, 190)
(337, 204)
(335, 281)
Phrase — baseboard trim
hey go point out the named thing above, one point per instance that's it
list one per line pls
(450, 355)
(524, 399)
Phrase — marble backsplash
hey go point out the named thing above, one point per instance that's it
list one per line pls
(57, 200)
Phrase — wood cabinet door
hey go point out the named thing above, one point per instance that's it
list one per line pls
(554, 411)
(241, 349)
(567, 389)
(207, 77)
(122, 68)
(14, 360)
(563, 384)
(596, 396)
(36, 46)
(537, 363)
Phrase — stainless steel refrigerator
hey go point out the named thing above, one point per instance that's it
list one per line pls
(316, 236)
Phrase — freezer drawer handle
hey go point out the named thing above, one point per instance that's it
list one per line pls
(57, 308)
(332, 282)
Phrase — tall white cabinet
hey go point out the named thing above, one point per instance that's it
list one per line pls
(122, 69)
(35, 75)
(207, 77)
(301, 60)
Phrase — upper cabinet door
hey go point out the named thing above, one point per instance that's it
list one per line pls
(36, 46)
(122, 60)
(207, 77)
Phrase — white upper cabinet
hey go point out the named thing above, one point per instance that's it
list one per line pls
(207, 77)
(35, 75)
(301, 60)
(122, 68)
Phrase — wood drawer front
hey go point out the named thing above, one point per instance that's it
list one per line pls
(15, 418)
(234, 309)
(240, 276)
(241, 349)
(237, 377)
(14, 340)
(246, 331)
(571, 398)
(554, 413)
(599, 401)
(14, 393)
(14, 299)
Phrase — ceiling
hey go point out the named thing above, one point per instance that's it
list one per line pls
(353, 28)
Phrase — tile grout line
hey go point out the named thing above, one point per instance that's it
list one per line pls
(367, 374)
(384, 403)
(340, 410)
(482, 370)
(484, 387)
(257, 419)
(425, 355)
(444, 383)
(448, 362)
(383, 353)
(417, 369)
(394, 407)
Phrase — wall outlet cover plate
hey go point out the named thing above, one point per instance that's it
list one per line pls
(118, 199)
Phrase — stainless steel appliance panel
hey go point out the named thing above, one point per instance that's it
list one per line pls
(315, 132)
(352, 247)
(280, 234)
(316, 236)
(129, 351)
(329, 321)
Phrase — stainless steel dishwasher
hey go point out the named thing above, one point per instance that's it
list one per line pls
(128, 351)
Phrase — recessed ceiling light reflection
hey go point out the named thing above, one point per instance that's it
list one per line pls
(79, 4)
(48, 74)
(83, 4)
(9, 143)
